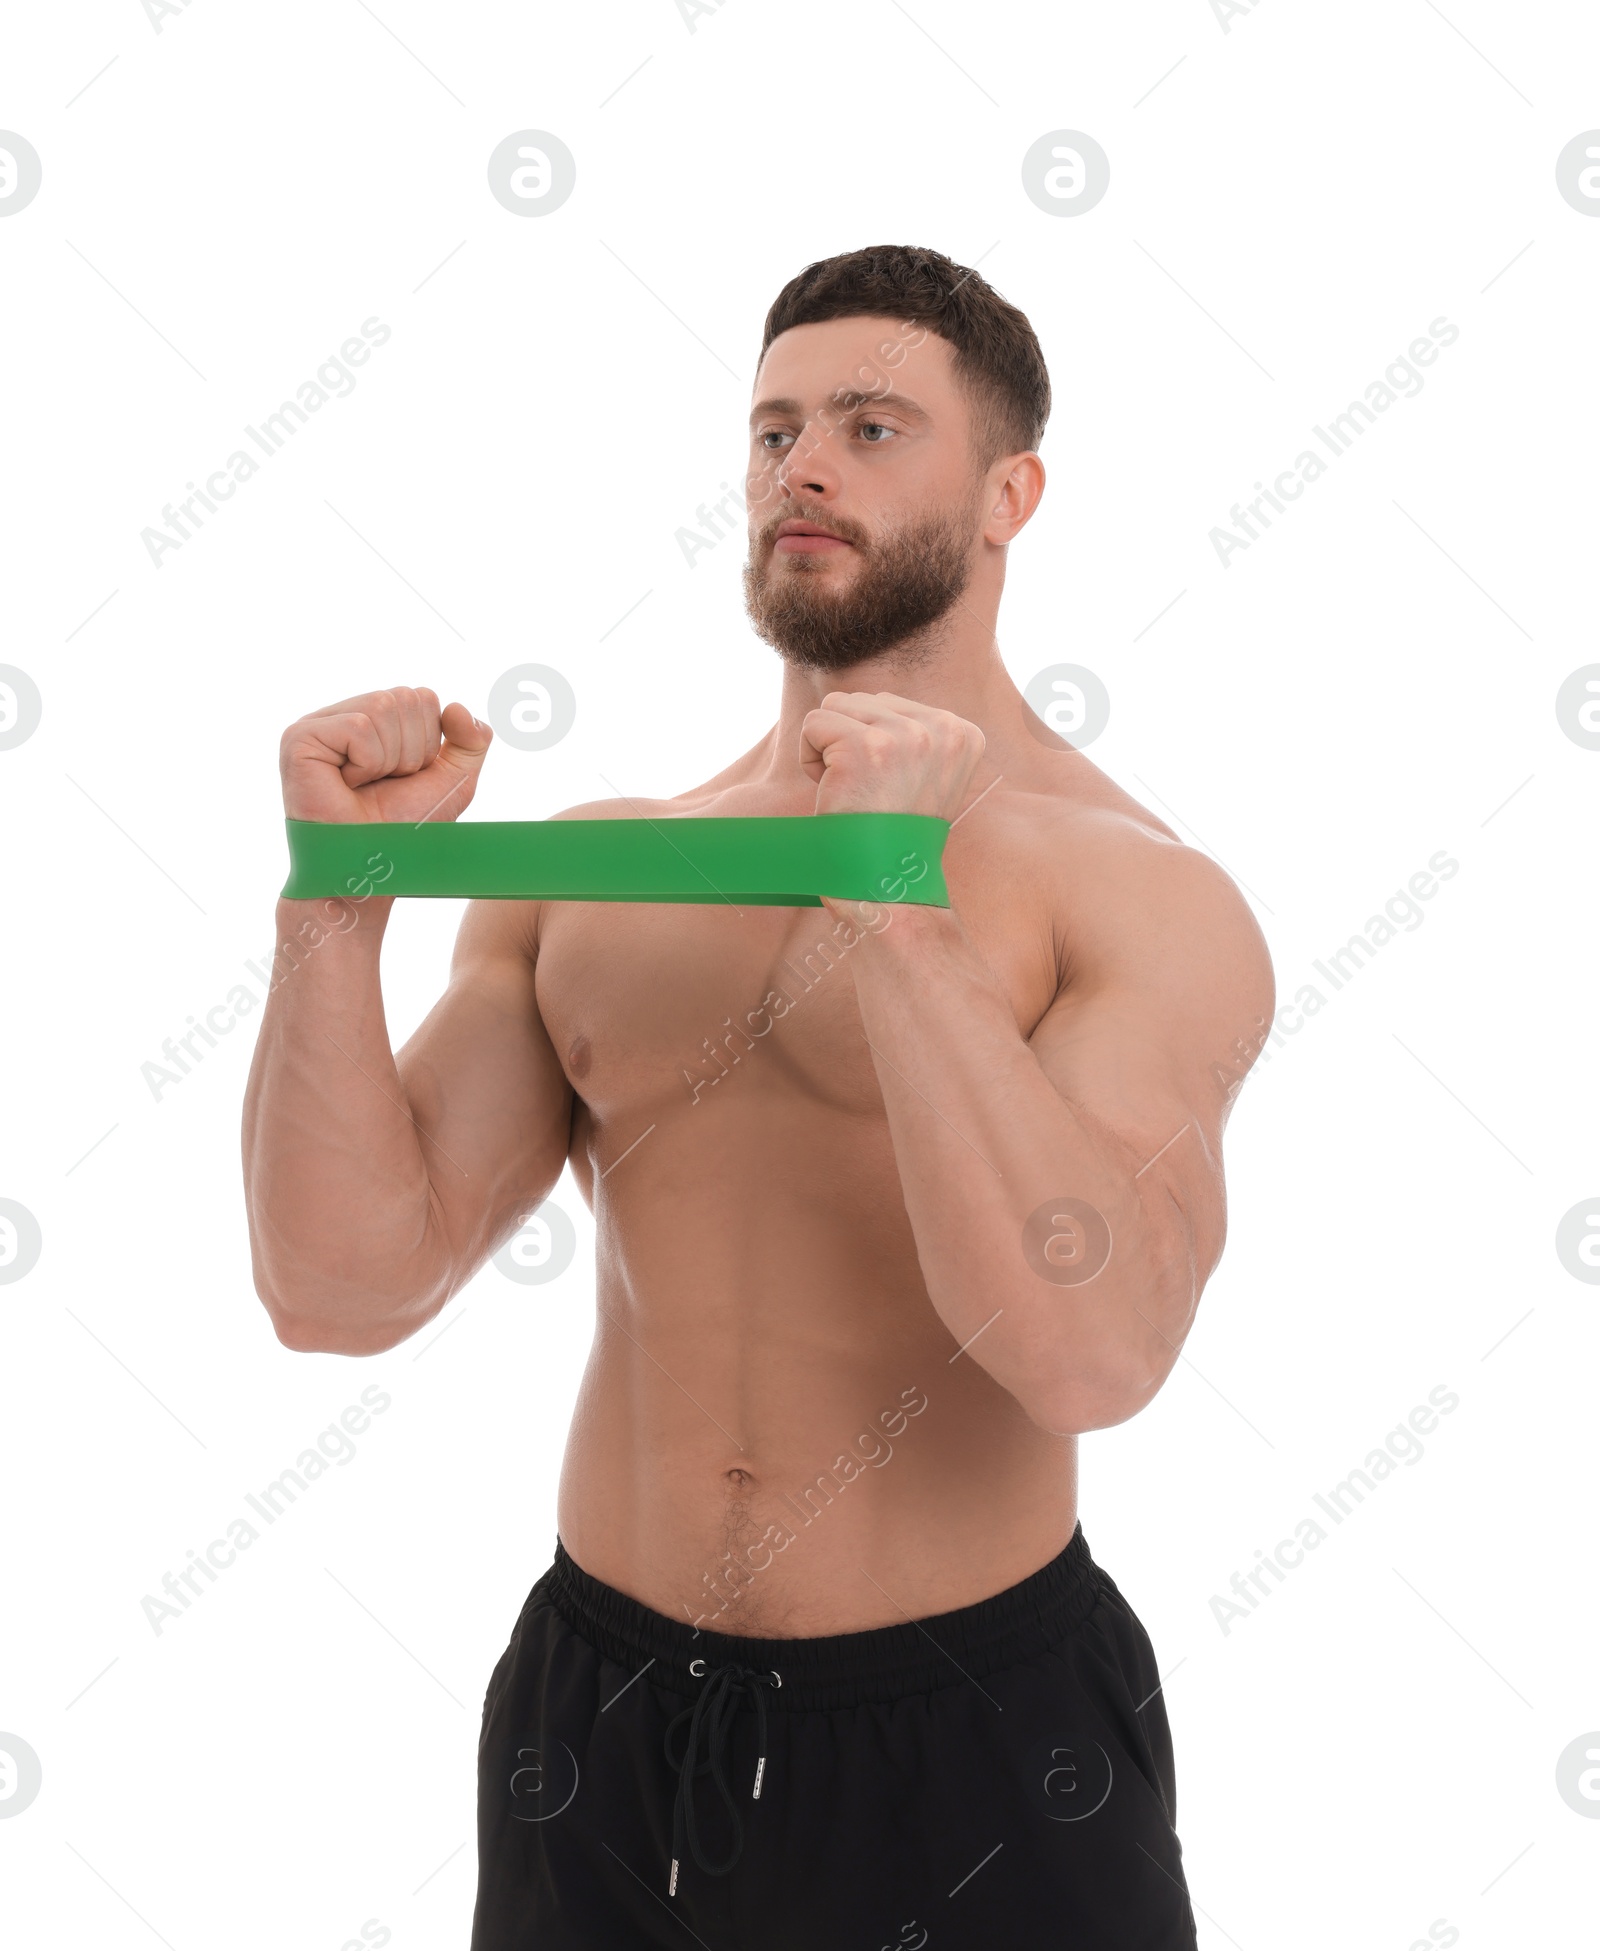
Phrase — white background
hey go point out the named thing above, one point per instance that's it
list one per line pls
(1372, 1749)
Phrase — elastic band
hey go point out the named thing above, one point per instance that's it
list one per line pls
(757, 862)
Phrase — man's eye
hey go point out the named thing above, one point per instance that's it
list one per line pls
(871, 426)
(770, 433)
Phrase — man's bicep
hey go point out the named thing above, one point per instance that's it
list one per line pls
(486, 1087)
(1168, 995)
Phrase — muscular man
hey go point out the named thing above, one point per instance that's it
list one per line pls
(893, 1202)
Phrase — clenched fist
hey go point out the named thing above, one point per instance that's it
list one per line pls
(871, 752)
(389, 755)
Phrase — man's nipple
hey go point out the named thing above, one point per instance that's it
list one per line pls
(580, 1057)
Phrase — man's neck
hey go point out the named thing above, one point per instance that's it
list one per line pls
(963, 673)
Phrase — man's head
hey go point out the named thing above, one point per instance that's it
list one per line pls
(894, 394)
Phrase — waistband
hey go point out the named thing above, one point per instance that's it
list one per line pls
(838, 1670)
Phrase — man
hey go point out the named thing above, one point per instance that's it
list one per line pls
(893, 1202)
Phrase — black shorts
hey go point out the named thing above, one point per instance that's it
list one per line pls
(997, 1776)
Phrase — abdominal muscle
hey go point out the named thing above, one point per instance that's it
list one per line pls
(775, 1435)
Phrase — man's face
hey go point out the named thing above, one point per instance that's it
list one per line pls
(858, 430)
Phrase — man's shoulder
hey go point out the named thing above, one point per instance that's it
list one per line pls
(1124, 889)
(736, 790)
(624, 807)
(715, 799)
(1076, 827)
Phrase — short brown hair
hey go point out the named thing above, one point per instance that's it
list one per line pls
(997, 355)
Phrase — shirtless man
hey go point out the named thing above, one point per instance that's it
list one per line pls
(823, 1659)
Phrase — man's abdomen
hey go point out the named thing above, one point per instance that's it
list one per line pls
(806, 1461)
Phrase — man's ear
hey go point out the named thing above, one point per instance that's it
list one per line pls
(1018, 489)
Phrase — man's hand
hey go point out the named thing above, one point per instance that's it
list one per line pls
(871, 752)
(381, 757)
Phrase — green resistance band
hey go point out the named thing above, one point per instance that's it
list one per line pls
(763, 862)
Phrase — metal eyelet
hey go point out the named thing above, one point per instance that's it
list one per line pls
(776, 1676)
(697, 1667)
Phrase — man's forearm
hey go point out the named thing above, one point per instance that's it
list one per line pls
(983, 1141)
(336, 1177)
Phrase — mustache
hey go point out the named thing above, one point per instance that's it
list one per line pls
(845, 531)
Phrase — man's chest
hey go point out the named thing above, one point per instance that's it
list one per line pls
(648, 1007)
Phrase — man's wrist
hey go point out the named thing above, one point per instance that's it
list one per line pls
(316, 921)
(905, 930)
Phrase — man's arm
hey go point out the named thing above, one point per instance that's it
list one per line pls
(1114, 1100)
(376, 1185)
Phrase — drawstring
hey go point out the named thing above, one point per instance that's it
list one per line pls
(714, 1707)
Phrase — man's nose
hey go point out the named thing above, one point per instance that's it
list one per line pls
(809, 467)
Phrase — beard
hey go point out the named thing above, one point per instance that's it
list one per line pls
(906, 582)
